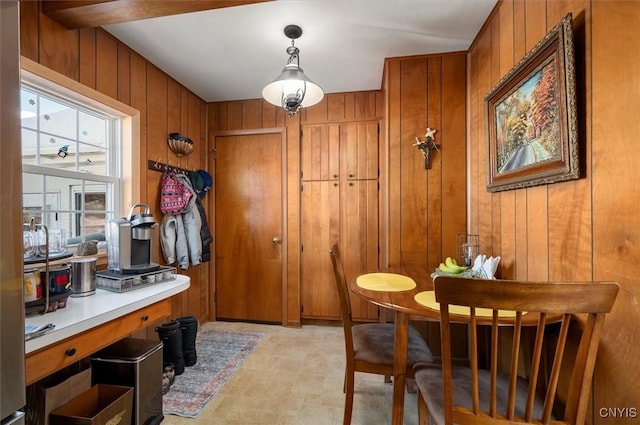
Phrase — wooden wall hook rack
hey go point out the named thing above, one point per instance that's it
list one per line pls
(162, 167)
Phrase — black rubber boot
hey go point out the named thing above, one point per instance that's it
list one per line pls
(171, 337)
(189, 328)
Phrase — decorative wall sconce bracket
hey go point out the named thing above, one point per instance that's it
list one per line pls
(426, 146)
(179, 144)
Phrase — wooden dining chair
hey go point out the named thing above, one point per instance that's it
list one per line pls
(370, 346)
(472, 395)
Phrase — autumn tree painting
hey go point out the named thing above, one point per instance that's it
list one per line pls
(527, 123)
(531, 117)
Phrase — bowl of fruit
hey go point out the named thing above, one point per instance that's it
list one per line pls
(449, 267)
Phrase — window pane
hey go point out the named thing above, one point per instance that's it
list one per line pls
(29, 146)
(57, 152)
(92, 129)
(28, 102)
(60, 189)
(32, 196)
(57, 119)
(92, 159)
(95, 205)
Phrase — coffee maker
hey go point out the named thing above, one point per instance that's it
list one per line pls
(131, 242)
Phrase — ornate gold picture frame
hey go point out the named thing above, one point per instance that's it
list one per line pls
(531, 128)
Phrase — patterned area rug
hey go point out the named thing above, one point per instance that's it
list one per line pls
(220, 353)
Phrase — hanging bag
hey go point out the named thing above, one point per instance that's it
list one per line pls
(174, 196)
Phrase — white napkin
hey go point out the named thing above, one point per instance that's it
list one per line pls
(485, 267)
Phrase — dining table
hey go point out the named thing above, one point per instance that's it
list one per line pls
(408, 292)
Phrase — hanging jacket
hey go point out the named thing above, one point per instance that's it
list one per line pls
(192, 224)
(173, 241)
(205, 234)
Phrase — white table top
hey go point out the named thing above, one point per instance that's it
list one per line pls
(84, 313)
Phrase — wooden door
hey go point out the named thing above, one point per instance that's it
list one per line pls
(359, 237)
(320, 228)
(339, 203)
(320, 152)
(248, 227)
(359, 150)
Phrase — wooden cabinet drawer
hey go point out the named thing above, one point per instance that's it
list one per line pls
(56, 356)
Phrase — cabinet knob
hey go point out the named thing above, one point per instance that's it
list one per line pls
(70, 352)
(351, 176)
(335, 184)
(335, 176)
(351, 183)
(145, 318)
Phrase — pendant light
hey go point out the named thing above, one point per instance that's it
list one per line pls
(292, 89)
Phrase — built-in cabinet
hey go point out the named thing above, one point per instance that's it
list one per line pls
(339, 203)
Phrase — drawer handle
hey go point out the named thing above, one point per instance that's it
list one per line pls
(70, 352)
(145, 318)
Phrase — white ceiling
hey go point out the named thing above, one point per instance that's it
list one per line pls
(232, 53)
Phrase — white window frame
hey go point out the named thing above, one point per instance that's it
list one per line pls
(112, 181)
(48, 80)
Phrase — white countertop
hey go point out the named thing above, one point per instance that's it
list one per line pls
(84, 313)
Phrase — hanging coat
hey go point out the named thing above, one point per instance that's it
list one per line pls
(192, 224)
(205, 233)
(173, 241)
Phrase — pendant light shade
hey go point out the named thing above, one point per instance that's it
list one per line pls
(292, 89)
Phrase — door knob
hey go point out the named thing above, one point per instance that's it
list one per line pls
(276, 240)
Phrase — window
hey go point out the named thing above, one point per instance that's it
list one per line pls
(71, 178)
(97, 175)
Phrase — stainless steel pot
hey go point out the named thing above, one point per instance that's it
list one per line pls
(83, 276)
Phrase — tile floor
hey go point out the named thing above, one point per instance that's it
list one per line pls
(294, 377)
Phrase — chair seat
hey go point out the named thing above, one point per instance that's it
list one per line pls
(374, 343)
(429, 380)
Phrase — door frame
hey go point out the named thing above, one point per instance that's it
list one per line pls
(283, 218)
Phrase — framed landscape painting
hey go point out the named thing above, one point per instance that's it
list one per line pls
(531, 117)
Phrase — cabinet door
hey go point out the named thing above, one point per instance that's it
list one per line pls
(320, 228)
(320, 152)
(359, 238)
(359, 150)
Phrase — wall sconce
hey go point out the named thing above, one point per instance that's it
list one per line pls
(292, 89)
(179, 144)
(426, 147)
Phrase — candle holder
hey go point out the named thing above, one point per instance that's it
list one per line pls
(468, 247)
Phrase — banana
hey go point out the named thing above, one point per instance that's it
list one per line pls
(443, 268)
(450, 266)
(451, 262)
(450, 270)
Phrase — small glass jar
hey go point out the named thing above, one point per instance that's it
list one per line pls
(29, 241)
(57, 242)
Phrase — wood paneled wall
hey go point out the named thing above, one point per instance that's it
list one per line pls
(426, 208)
(257, 114)
(584, 229)
(96, 59)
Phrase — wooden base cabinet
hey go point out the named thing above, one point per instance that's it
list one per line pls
(339, 202)
(61, 354)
